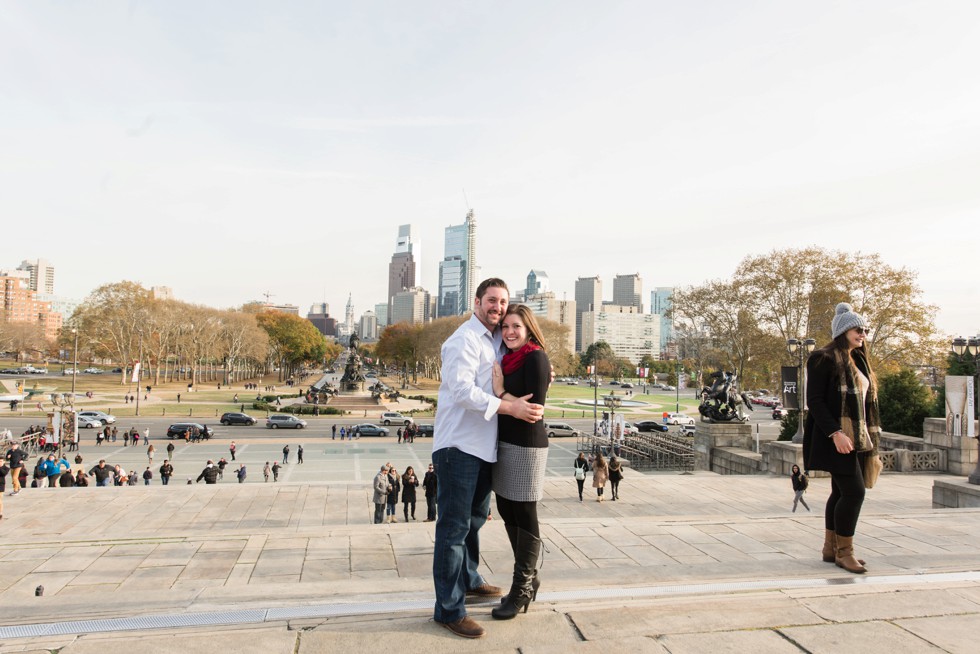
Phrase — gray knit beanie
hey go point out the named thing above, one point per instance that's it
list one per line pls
(845, 318)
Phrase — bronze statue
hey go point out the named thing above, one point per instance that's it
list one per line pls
(720, 402)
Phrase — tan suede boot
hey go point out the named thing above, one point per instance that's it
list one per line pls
(829, 546)
(845, 555)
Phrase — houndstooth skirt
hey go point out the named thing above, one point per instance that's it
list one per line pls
(518, 474)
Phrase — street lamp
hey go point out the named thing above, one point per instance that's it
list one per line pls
(801, 349)
(74, 365)
(965, 350)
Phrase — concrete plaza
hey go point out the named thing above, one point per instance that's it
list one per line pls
(683, 563)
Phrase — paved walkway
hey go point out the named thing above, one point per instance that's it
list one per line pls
(683, 563)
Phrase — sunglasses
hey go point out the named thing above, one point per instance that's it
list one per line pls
(862, 330)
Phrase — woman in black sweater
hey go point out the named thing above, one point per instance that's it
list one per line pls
(522, 453)
(842, 429)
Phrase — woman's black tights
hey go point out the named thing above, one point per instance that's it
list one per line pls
(844, 503)
(520, 514)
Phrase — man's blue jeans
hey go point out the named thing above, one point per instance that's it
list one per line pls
(463, 496)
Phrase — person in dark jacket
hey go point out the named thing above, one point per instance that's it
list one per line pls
(285, 454)
(147, 476)
(395, 486)
(81, 479)
(166, 472)
(409, 483)
(615, 476)
(581, 468)
(842, 429)
(299, 454)
(431, 484)
(102, 473)
(799, 487)
(241, 473)
(275, 471)
(209, 474)
(15, 458)
(67, 479)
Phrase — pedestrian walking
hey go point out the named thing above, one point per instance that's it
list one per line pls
(615, 476)
(600, 475)
(800, 483)
(147, 476)
(266, 470)
(299, 454)
(285, 454)
(149, 453)
(170, 450)
(241, 473)
(275, 471)
(231, 450)
(395, 484)
(166, 472)
(209, 474)
(333, 433)
(581, 467)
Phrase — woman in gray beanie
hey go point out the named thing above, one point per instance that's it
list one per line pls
(842, 429)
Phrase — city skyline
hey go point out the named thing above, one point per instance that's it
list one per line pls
(591, 140)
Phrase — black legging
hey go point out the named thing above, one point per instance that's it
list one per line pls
(844, 503)
(521, 514)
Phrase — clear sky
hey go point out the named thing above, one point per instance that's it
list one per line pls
(228, 149)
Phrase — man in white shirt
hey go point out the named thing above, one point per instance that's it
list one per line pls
(464, 447)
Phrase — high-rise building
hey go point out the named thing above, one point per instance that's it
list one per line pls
(411, 305)
(537, 283)
(402, 269)
(588, 297)
(547, 306)
(381, 313)
(18, 303)
(367, 326)
(630, 334)
(42, 275)
(408, 241)
(457, 270)
(660, 304)
(319, 315)
(628, 291)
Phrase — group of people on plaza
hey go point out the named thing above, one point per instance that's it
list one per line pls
(108, 435)
(388, 484)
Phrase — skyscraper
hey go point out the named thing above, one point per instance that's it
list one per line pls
(660, 303)
(588, 297)
(537, 282)
(457, 270)
(628, 291)
(401, 270)
(408, 242)
(42, 275)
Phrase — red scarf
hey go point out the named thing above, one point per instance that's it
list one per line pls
(513, 360)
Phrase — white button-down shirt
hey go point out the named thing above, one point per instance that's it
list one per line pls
(467, 414)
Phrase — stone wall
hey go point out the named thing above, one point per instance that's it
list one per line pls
(710, 436)
(736, 461)
(961, 452)
(955, 494)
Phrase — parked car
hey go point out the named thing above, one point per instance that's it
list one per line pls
(688, 429)
(389, 417)
(85, 422)
(626, 385)
(93, 371)
(629, 429)
(70, 371)
(178, 429)
(572, 382)
(778, 413)
(668, 387)
(425, 430)
(104, 418)
(679, 419)
(560, 429)
(278, 420)
(237, 419)
(651, 425)
(368, 429)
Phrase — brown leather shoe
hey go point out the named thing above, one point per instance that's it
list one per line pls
(486, 590)
(466, 627)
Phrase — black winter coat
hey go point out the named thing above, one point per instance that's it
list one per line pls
(823, 397)
(209, 475)
(408, 488)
